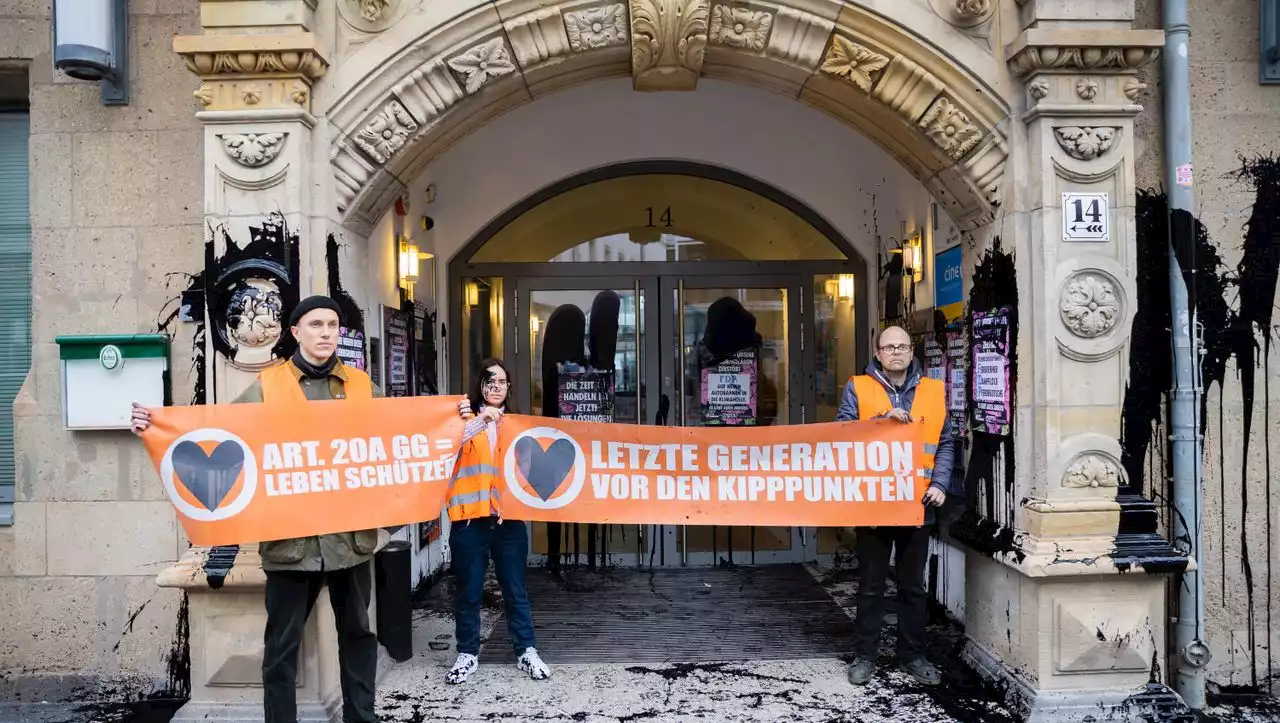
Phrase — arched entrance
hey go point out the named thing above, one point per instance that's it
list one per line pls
(627, 270)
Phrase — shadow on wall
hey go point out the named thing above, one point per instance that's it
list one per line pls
(1235, 309)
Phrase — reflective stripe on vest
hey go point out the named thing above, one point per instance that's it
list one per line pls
(281, 384)
(473, 493)
(928, 409)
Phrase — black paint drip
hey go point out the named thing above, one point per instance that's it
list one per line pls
(272, 252)
(179, 658)
(986, 524)
(218, 564)
(1243, 335)
(352, 316)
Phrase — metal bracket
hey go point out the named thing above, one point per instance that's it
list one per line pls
(1197, 654)
(115, 88)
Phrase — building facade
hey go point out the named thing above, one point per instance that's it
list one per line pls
(991, 174)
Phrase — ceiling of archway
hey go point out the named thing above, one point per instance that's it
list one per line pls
(937, 118)
(657, 217)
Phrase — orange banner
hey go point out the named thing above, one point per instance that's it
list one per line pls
(821, 475)
(244, 473)
(240, 473)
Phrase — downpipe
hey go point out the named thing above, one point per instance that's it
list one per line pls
(1187, 490)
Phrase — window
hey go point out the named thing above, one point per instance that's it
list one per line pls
(15, 269)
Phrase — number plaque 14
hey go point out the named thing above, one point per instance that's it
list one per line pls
(1086, 217)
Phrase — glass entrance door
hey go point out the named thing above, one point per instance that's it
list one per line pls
(734, 360)
(715, 351)
(572, 329)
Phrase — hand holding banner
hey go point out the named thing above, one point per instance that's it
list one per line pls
(253, 472)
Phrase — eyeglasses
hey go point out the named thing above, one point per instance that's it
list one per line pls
(896, 348)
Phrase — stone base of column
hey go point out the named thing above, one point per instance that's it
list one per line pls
(1085, 643)
(226, 643)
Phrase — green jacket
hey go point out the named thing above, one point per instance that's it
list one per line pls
(322, 552)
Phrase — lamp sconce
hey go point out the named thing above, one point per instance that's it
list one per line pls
(534, 324)
(410, 257)
(472, 293)
(912, 256)
(91, 42)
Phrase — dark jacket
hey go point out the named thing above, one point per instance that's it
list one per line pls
(948, 446)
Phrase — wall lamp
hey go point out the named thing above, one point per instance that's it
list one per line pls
(410, 257)
(912, 256)
(91, 42)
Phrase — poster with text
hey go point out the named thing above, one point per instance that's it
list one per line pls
(351, 348)
(989, 350)
(935, 364)
(730, 391)
(585, 394)
(395, 344)
(956, 378)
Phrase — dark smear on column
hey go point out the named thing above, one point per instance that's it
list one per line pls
(179, 658)
(352, 316)
(563, 340)
(985, 525)
(271, 254)
(188, 304)
(218, 564)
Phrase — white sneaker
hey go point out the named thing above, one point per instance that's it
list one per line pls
(533, 665)
(464, 666)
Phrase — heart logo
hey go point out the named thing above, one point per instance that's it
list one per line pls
(209, 477)
(545, 469)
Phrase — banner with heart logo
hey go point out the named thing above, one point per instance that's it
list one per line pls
(241, 473)
(842, 474)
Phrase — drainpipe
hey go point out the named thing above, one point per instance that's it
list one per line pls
(1193, 654)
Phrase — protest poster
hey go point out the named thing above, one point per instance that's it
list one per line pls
(395, 343)
(935, 363)
(351, 348)
(989, 355)
(729, 390)
(957, 379)
(585, 394)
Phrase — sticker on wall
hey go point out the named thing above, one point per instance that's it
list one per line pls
(948, 282)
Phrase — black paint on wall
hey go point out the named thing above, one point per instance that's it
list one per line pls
(179, 659)
(990, 481)
(272, 253)
(352, 316)
(1242, 335)
(171, 315)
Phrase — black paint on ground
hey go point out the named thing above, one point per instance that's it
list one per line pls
(774, 612)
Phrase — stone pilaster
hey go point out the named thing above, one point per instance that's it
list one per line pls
(256, 64)
(1050, 608)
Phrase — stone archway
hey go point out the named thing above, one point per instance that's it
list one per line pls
(387, 122)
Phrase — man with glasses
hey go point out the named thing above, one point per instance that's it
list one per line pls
(894, 387)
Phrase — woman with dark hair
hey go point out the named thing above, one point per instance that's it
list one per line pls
(478, 530)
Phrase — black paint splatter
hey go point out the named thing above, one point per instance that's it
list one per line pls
(985, 525)
(352, 316)
(218, 563)
(179, 658)
(272, 253)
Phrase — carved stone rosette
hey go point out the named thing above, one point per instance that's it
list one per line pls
(668, 43)
(1093, 470)
(253, 150)
(1089, 304)
(253, 72)
(1086, 143)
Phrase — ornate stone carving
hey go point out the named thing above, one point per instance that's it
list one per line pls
(537, 37)
(299, 93)
(252, 72)
(482, 63)
(372, 10)
(387, 132)
(950, 128)
(970, 9)
(306, 63)
(253, 149)
(852, 62)
(739, 27)
(1038, 58)
(964, 13)
(1089, 305)
(253, 314)
(1087, 88)
(907, 88)
(1085, 143)
(1039, 88)
(595, 28)
(668, 43)
(1133, 89)
(1092, 470)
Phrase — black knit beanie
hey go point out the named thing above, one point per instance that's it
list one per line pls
(311, 303)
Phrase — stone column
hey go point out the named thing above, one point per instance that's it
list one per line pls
(256, 63)
(1066, 599)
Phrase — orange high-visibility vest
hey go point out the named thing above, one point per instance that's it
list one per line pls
(473, 493)
(928, 409)
(280, 384)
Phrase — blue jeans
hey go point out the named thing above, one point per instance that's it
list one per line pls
(472, 542)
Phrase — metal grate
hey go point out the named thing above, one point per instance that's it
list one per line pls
(679, 615)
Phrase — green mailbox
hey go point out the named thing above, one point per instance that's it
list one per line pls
(103, 375)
